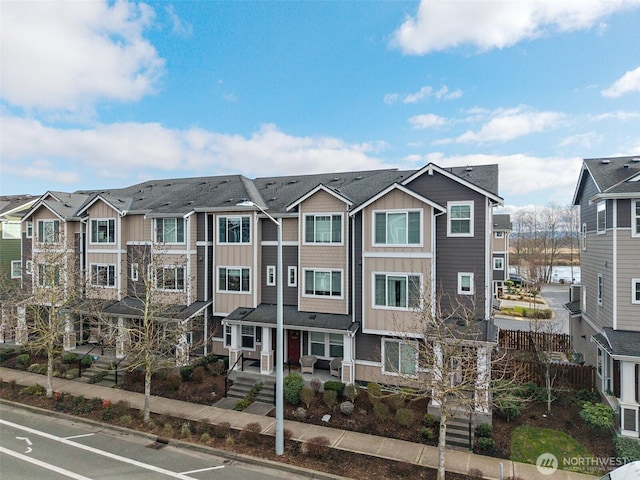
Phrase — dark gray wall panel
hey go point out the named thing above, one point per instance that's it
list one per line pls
(289, 259)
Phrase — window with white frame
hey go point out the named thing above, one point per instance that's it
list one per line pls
(103, 230)
(635, 290)
(393, 290)
(583, 236)
(326, 345)
(16, 269)
(271, 275)
(234, 279)
(170, 230)
(398, 227)
(499, 234)
(48, 231)
(227, 335)
(323, 283)
(601, 217)
(498, 263)
(170, 278)
(465, 283)
(48, 275)
(399, 357)
(29, 229)
(635, 218)
(460, 216)
(600, 288)
(234, 229)
(103, 275)
(11, 230)
(248, 337)
(599, 362)
(29, 267)
(135, 273)
(323, 228)
(292, 277)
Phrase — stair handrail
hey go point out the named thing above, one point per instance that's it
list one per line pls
(82, 358)
(116, 367)
(226, 377)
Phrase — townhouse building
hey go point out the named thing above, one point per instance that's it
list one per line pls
(12, 209)
(361, 251)
(605, 312)
(500, 251)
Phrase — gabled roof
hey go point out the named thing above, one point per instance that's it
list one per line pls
(502, 222)
(62, 204)
(397, 186)
(15, 206)
(614, 177)
(623, 343)
(323, 188)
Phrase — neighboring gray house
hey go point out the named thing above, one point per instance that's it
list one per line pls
(500, 251)
(605, 313)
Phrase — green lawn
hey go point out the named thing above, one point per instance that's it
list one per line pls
(527, 443)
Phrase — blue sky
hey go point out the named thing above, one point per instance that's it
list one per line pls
(105, 94)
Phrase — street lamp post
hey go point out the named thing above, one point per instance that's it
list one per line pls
(279, 335)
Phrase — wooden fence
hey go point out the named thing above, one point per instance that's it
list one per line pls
(534, 341)
(566, 375)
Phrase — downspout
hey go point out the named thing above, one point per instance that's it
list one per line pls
(614, 280)
(119, 256)
(187, 227)
(488, 267)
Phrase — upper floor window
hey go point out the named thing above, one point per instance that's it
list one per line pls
(292, 276)
(103, 275)
(323, 228)
(397, 228)
(234, 279)
(170, 278)
(635, 290)
(11, 230)
(271, 275)
(499, 234)
(600, 288)
(234, 230)
(29, 229)
(103, 231)
(583, 236)
(324, 283)
(29, 267)
(396, 290)
(602, 217)
(170, 230)
(460, 215)
(16, 269)
(48, 275)
(465, 283)
(48, 231)
(498, 263)
(635, 218)
(134, 274)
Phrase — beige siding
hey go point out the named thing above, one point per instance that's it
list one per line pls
(628, 267)
(499, 244)
(230, 255)
(135, 228)
(289, 230)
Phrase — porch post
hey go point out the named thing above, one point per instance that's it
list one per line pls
(121, 339)
(266, 353)
(437, 373)
(22, 334)
(69, 341)
(482, 381)
(348, 365)
(235, 349)
(182, 349)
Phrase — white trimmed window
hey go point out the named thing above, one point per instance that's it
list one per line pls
(170, 278)
(48, 275)
(460, 216)
(583, 236)
(323, 228)
(29, 229)
(399, 357)
(498, 263)
(248, 334)
(11, 230)
(600, 288)
(326, 345)
(401, 291)
(234, 229)
(227, 336)
(635, 218)
(48, 231)
(135, 273)
(601, 217)
(398, 227)
(234, 279)
(170, 230)
(103, 275)
(500, 234)
(271, 275)
(635, 290)
(29, 267)
(465, 283)
(103, 230)
(292, 277)
(16, 269)
(323, 283)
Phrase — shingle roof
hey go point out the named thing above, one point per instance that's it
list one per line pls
(502, 221)
(9, 203)
(619, 342)
(611, 175)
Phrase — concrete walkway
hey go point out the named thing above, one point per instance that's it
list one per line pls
(456, 461)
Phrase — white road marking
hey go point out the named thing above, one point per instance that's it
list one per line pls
(113, 456)
(203, 470)
(39, 463)
(80, 436)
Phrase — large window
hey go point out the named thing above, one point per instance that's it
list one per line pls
(170, 278)
(465, 283)
(16, 269)
(635, 290)
(11, 230)
(233, 279)
(323, 228)
(602, 217)
(48, 275)
(103, 231)
(397, 228)
(103, 275)
(396, 290)
(170, 230)
(48, 231)
(460, 215)
(326, 345)
(234, 230)
(324, 283)
(635, 218)
(399, 357)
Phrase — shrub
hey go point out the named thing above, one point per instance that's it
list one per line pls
(173, 382)
(22, 360)
(597, 416)
(185, 431)
(484, 430)
(198, 374)
(72, 373)
(475, 474)
(427, 433)
(37, 368)
(405, 417)
(316, 384)
(346, 408)
(168, 429)
(307, 394)
(396, 400)
(334, 385)
(627, 448)
(107, 414)
(126, 420)
(293, 383)
(330, 398)
(217, 368)
(585, 396)
(374, 391)
(486, 444)
(6, 354)
(221, 430)
(242, 404)
(70, 357)
(428, 420)
(86, 361)
(186, 372)
(350, 391)
(35, 389)
(509, 405)
(318, 447)
(251, 432)
(205, 437)
(381, 411)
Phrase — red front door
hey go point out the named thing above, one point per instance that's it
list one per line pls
(293, 346)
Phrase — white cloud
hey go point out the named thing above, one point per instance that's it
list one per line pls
(440, 25)
(423, 94)
(131, 148)
(618, 115)
(427, 121)
(628, 83)
(583, 140)
(61, 56)
(179, 26)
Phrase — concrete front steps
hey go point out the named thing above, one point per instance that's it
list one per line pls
(101, 372)
(243, 383)
(459, 435)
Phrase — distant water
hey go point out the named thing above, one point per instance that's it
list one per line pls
(564, 274)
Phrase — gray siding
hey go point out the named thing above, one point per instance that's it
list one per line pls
(624, 213)
(289, 259)
(201, 272)
(588, 212)
(598, 259)
(500, 274)
(200, 226)
(368, 347)
(27, 246)
(140, 254)
(357, 268)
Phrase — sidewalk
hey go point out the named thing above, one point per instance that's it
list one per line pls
(391, 449)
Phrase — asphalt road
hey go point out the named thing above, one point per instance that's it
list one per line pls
(34, 446)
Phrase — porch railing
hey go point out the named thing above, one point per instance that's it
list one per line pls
(226, 377)
(116, 368)
(82, 358)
